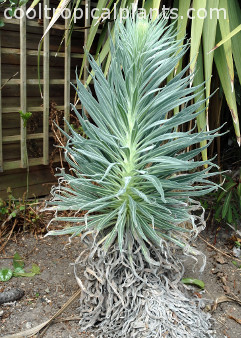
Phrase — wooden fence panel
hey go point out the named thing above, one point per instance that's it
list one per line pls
(19, 41)
(46, 91)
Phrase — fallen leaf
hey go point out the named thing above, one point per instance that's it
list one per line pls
(193, 281)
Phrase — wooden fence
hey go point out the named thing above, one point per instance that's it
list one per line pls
(19, 41)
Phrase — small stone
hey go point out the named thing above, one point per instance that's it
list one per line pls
(47, 300)
(224, 280)
(236, 252)
(219, 259)
(28, 325)
(208, 308)
(226, 288)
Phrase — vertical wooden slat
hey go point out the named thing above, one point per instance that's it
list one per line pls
(1, 135)
(46, 90)
(67, 65)
(23, 86)
(87, 24)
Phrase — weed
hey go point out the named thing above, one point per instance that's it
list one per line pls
(19, 215)
(228, 201)
(18, 270)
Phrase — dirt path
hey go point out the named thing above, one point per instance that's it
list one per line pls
(47, 292)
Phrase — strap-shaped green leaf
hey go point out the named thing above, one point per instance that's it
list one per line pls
(234, 12)
(225, 31)
(226, 204)
(196, 31)
(222, 67)
(209, 38)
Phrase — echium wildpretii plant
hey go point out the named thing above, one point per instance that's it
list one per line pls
(132, 173)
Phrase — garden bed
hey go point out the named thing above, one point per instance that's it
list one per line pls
(47, 292)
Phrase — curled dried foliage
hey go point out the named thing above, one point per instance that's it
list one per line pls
(123, 298)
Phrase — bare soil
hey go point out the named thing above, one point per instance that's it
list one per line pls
(47, 292)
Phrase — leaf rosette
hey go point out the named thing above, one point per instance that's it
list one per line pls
(133, 175)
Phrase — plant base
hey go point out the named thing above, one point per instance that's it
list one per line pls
(124, 296)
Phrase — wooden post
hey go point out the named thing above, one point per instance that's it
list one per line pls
(87, 24)
(46, 91)
(67, 65)
(1, 126)
(23, 86)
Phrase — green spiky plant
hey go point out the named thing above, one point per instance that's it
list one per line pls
(133, 169)
(133, 176)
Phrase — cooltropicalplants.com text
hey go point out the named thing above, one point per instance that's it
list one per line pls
(102, 14)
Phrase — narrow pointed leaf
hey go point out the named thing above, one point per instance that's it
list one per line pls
(222, 67)
(156, 5)
(225, 31)
(182, 27)
(92, 32)
(227, 37)
(201, 118)
(234, 12)
(209, 38)
(61, 6)
(196, 31)
(34, 3)
(226, 204)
